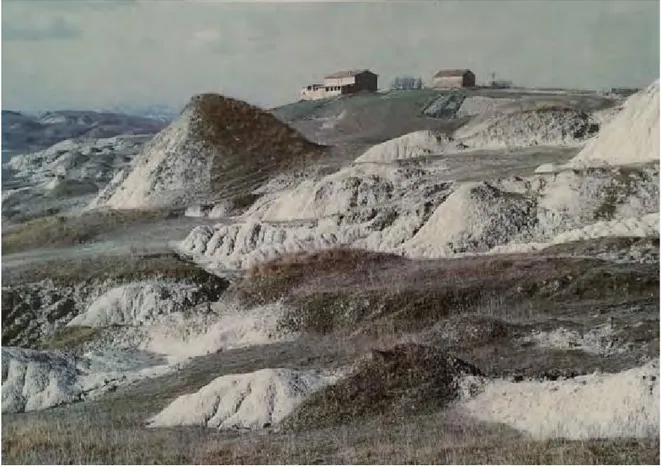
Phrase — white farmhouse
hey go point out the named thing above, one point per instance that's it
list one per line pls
(342, 82)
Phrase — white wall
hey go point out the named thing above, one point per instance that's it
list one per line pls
(334, 93)
(318, 94)
(313, 94)
(448, 82)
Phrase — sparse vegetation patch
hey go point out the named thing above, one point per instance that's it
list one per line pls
(405, 380)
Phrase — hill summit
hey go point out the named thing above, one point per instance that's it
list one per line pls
(218, 147)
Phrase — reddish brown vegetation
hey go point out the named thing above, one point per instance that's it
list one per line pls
(402, 380)
(330, 261)
(250, 144)
(240, 127)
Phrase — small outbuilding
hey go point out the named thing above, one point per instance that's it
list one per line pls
(351, 81)
(455, 78)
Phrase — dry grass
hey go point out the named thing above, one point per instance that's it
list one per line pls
(251, 144)
(398, 381)
(477, 307)
(431, 439)
(604, 245)
(349, 270)
(346, 289)
(595, 452)
(121, 268)
(57, 231)
(240, 203)
(81, 441)
(272, 280)
(239, 126)
(329, 261)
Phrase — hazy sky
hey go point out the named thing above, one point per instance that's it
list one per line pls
(86, 53)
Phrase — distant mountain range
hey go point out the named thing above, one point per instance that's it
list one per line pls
(156, 111)
(27, 132)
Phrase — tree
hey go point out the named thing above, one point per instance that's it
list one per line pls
(405, 83)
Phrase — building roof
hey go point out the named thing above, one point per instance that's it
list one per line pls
(346, 74)
(451, 73)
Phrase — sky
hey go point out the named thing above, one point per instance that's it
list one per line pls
(88, 54)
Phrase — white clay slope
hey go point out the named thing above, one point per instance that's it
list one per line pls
(619, 405)
(250, 400)
(416, 144)
(631, 137)
(491, 131)
(40, 379)
(366, 205)
(407, 213)
(547, 127)
(33, 380)
(173, 168)
(394, 214)
(92, 159)
(218, 147)
(224, 326)
(351, 189)
(136, 303)
(241, 246)
(155, 344)
(572, 200)
(643, 226)
(479, 105)
(475, 217)
(596, 341)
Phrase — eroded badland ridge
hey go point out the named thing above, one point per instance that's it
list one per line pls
(411, 276)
